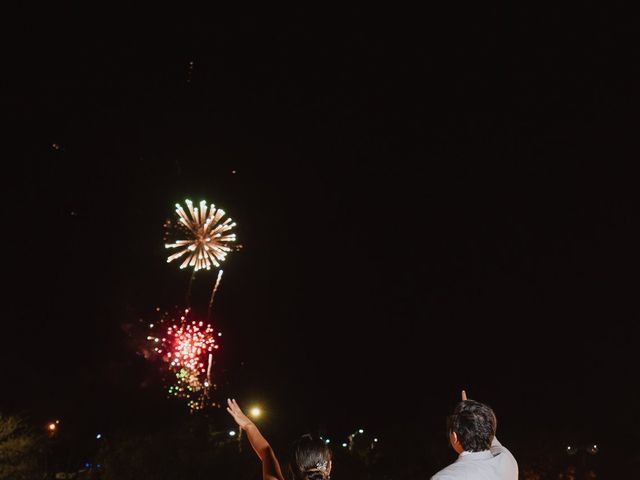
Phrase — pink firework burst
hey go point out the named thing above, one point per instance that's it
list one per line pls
(187, 346)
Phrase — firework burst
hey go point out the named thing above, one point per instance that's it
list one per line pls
(207, 238)
(187, 347)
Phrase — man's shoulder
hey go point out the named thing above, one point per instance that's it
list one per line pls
(451, 472)
(502, 465)
(444, 476)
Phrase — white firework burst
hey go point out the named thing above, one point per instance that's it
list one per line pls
(209, 239)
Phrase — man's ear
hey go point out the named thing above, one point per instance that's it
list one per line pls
(329, 467)
(455, 444)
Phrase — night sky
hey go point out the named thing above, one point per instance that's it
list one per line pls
(427, 201)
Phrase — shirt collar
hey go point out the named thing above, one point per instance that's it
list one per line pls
(485, 454)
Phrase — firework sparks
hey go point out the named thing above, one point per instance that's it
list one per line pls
(187, 347)
(188, 343)
(209, 239)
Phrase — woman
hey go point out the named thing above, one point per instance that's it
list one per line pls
(310, 458)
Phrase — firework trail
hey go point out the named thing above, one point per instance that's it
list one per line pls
(213, 294)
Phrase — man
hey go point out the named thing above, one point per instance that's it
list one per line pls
(472, 434)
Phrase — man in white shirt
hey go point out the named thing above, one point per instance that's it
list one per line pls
(472, 434)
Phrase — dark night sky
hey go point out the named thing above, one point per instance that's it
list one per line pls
(426, 202)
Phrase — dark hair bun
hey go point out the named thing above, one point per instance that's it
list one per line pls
(315, 476)
(310, 459)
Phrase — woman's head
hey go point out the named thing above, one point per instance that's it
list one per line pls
(310, 459)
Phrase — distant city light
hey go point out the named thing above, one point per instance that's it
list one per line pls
(52, 426)
(232, 433)
(361, 431)
(572, 449)
(327, 441)
(98, 436)
(344, 445)
(375, 439)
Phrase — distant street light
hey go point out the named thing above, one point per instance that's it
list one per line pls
(52, 428)
(584, 452)
(591, 449)
(255, 412)
(232, 433)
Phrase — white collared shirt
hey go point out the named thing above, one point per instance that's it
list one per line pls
(494, 464)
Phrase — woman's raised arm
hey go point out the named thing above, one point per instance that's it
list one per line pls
(270, 466)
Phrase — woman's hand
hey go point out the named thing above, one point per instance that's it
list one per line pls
(234, 410)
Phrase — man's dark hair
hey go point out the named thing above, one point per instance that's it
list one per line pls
(475, 425)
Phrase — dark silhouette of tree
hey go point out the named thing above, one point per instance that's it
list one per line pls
(18, 450)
